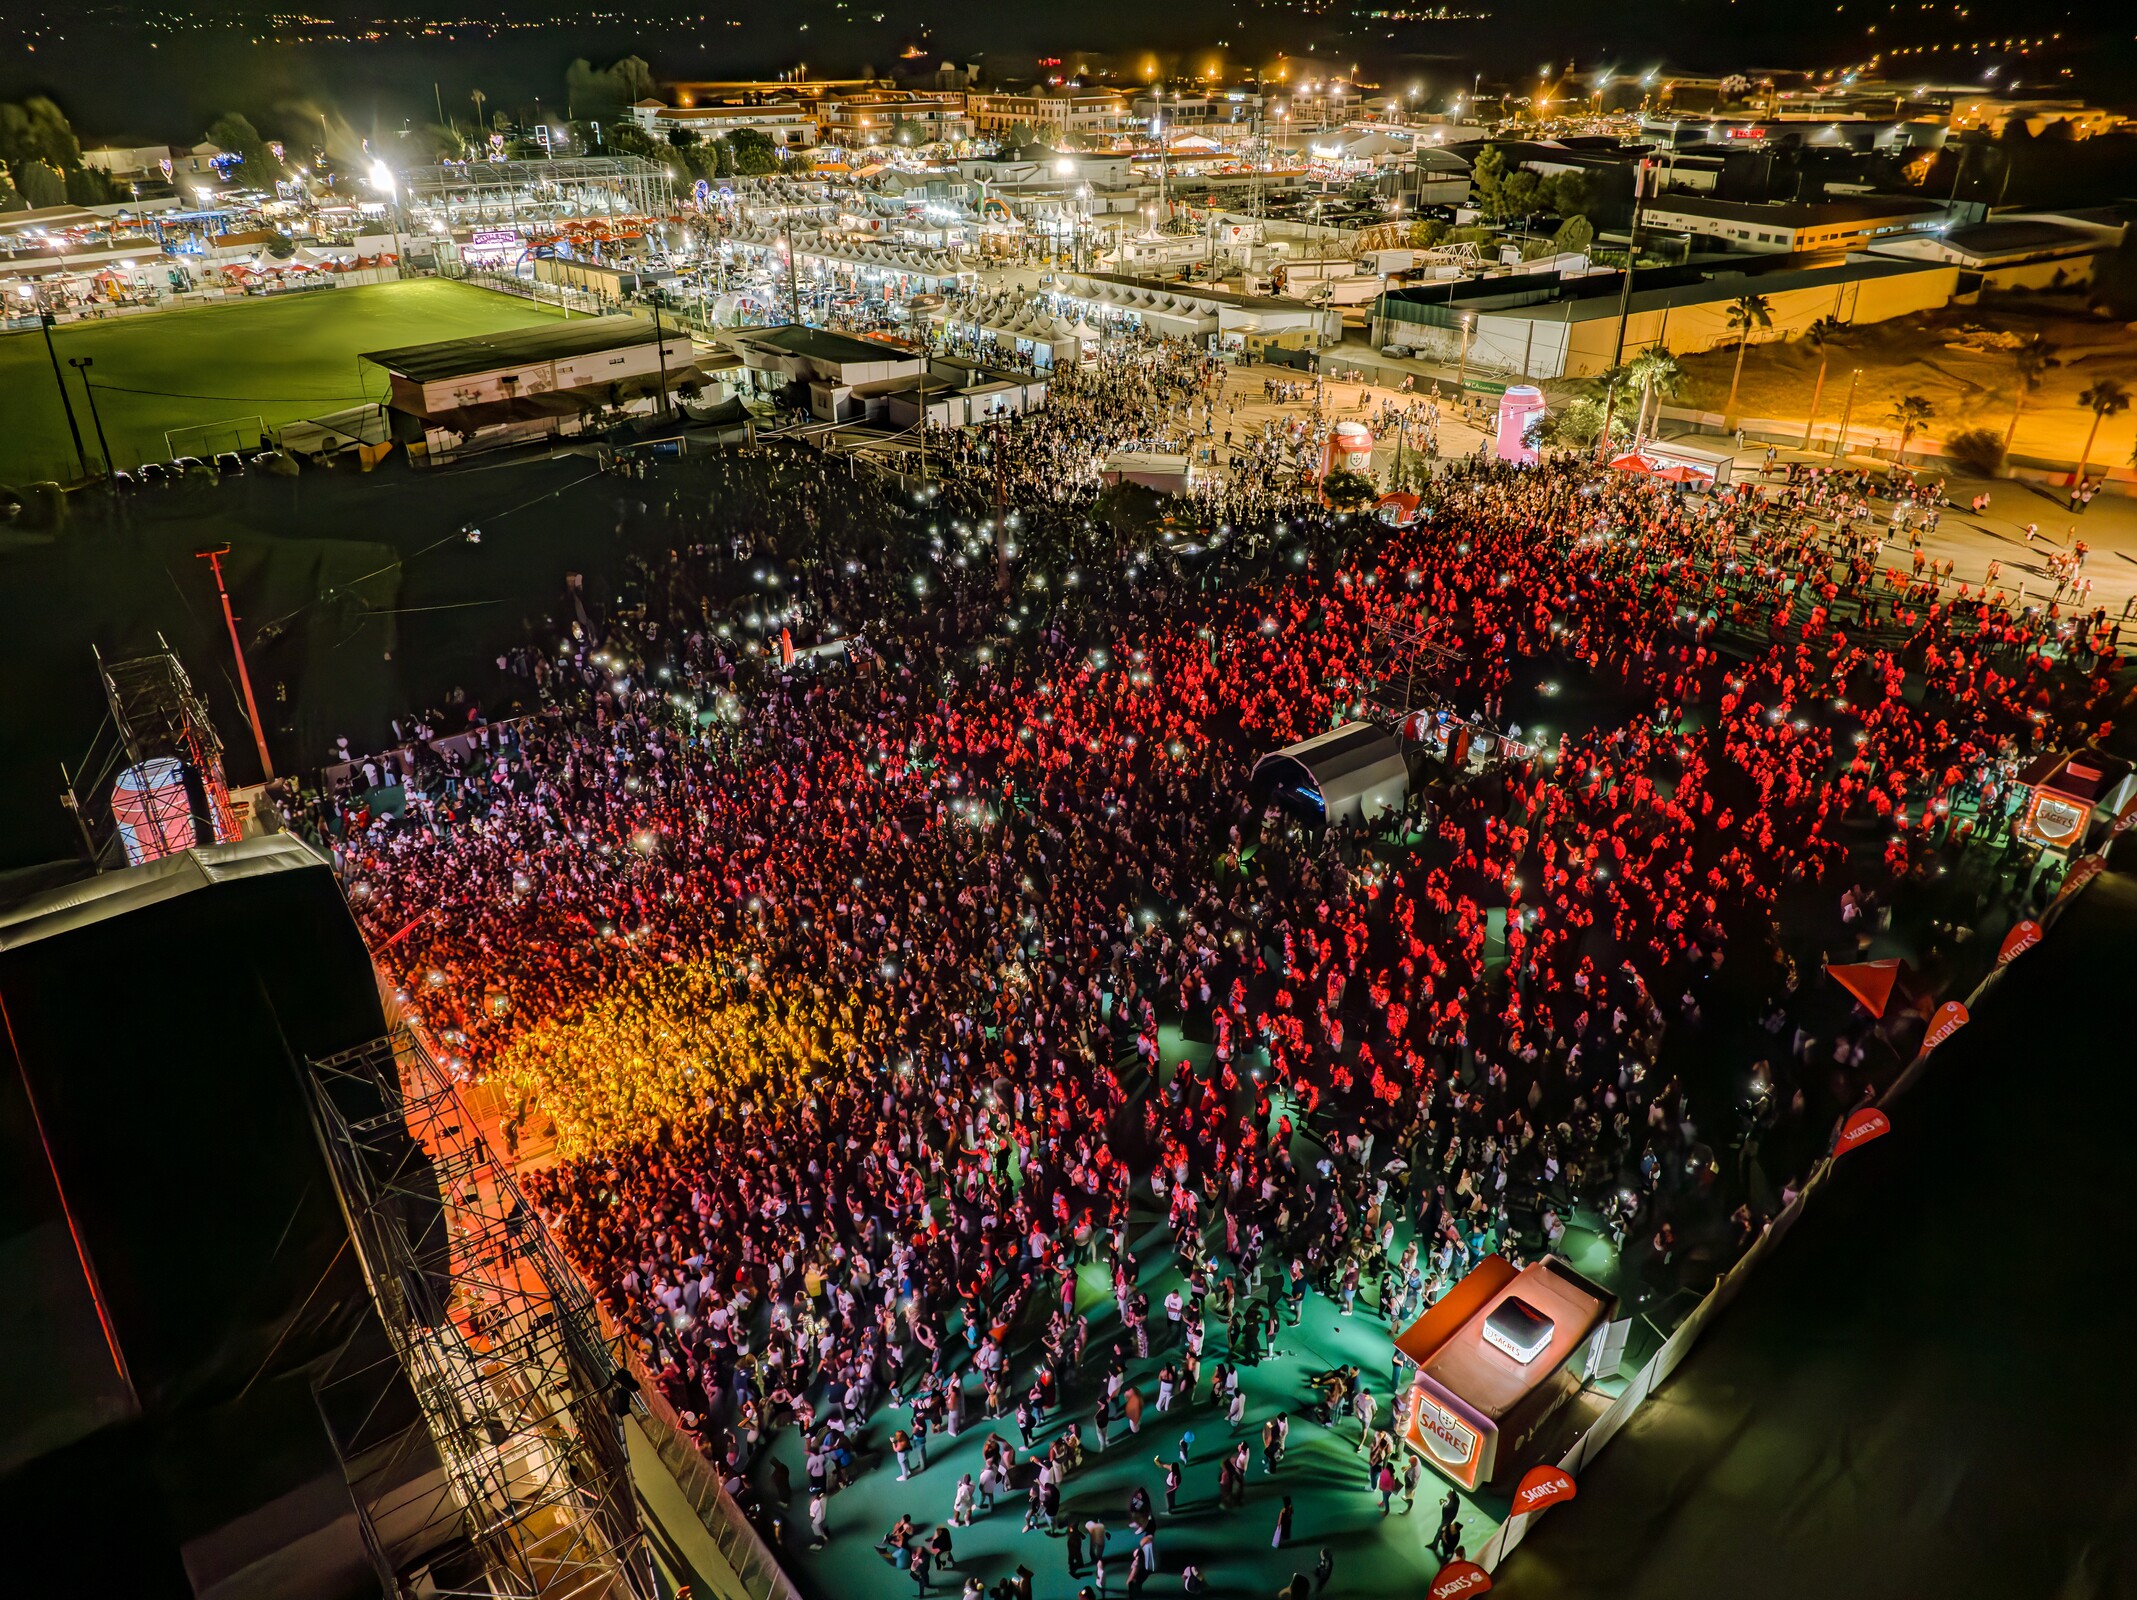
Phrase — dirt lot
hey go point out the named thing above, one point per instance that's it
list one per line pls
(1949, 358)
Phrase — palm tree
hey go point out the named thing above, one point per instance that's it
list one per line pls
(1823, 336)
(2105, 399)
(1746, 313)
(2032, 359)
(1653, 371)
(1910, 411)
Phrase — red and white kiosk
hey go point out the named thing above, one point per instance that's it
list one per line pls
(1493, 1361)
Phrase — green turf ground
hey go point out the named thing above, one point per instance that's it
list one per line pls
(282, 358)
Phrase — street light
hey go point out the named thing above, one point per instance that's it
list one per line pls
(82, 364)
(44, 321)
(382, 178)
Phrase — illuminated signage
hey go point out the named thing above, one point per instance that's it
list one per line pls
(1518, 1329)
(1453, 1445)
(2055, 821)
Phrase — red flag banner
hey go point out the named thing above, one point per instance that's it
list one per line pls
(1950, 1018)
(2019, 940)
(1860, 1128)
(1541, 1487)
(2082, 871)
(1868, 981)
(1461, 1578)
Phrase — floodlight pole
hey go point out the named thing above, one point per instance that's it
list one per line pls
(44, 321)
(214, 559)
(1617, 353)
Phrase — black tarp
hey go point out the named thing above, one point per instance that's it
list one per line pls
(156, 1149)
(1929, 1389)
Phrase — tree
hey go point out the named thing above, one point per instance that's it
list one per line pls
(1575, 236)
(2031, 361)
(1976, 449)
(88, 187)
(37, 130)
(1909, 412)
(10, 197)
(754, 152)
(236, 134)
(1823, 336)
(1576, 426)
(604, 94)
(1655, 372)
(1747, 312)
(441, 142)
(1347, 490)
(41, 184)
(624, 137)
(1501, 190)
(2104, 399)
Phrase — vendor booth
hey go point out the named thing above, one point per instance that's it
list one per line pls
(2066, 792)
(1493, 1361)
(1354, 773)
(1676, 462)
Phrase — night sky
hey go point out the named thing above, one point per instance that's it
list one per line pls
(162, 73)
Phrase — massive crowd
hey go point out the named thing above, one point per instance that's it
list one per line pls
(868, 996)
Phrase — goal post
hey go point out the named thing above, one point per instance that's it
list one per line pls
(207, 438)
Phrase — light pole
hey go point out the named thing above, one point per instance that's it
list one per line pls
(82, 364)
(382, 178)
(44, 321)
(1632, 255)
(1840, 445)
(1461, 373)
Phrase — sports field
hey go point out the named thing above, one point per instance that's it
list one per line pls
(281, 358)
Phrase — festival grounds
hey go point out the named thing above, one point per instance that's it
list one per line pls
(282, 358)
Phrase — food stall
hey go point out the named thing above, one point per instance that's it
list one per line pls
(1493, 1361)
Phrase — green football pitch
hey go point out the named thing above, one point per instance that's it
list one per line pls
(279, 358)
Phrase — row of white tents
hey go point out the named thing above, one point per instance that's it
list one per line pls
(1014, 321)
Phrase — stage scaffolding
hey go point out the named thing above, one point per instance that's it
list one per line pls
(157, 716)
(520, 1440)
(1401, 653)
(514, 192)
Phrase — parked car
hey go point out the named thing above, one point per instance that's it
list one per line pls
(229, 463)
(155, 474)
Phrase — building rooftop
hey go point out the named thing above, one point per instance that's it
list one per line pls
(1198, 291)
(823, 345)
(517, 347)
(1797, 214)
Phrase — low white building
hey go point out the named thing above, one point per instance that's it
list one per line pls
(1784, 228)
(787, 123)
(458, 396)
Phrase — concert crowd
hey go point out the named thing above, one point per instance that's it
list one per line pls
(873, 955)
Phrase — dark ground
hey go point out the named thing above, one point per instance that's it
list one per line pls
(1923, 1391)
(414, 608)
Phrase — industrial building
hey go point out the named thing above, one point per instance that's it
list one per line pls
(1541, 325)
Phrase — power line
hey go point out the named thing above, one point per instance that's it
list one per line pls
(240, 399)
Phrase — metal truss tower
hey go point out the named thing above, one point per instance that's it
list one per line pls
(159, 716)
(513, 192)
(520, 1399)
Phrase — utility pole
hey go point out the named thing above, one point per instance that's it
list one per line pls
(214, 559)
(82, 364)
(44, 321)
(660, 351)
(786, 228)
(1632, 255)
(1847, 412)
